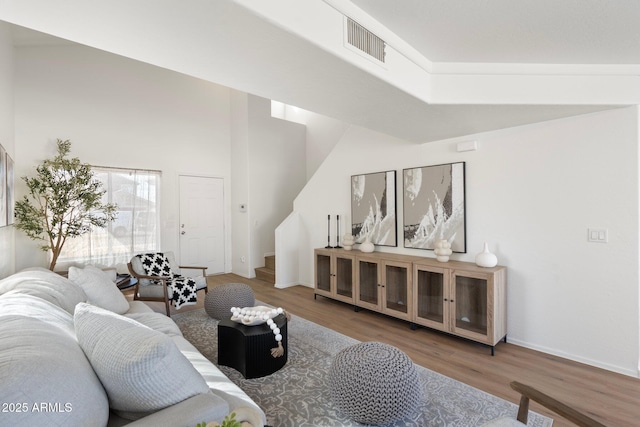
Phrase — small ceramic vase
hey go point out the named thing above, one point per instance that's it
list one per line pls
(486, 258)
(348, 241)
(367, 246)
(442, 250)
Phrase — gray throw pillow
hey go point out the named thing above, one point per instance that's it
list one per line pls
(142, 370)
(100, 288)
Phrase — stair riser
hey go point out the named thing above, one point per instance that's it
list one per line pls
(267, 276)
(270, 262)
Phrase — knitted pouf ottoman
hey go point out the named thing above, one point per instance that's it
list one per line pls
(374, 383)
(221, 298)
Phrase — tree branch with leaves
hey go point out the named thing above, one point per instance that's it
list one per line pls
(64, 201)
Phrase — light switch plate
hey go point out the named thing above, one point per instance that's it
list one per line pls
(597, 235)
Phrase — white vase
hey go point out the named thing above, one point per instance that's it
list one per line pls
(442, 250)
(486, 258)
(347, 242)
(367, 246)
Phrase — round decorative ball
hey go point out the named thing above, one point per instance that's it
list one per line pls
(374, 383)
(221, 298)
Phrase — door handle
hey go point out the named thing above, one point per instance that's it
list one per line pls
(183, 232)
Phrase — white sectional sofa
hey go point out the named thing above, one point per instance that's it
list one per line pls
(75, 352)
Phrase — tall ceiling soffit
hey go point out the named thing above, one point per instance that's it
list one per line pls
(295, 52)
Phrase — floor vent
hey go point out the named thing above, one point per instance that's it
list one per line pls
(364, 40)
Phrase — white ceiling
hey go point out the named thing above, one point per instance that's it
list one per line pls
(515, 31)
(443, 31)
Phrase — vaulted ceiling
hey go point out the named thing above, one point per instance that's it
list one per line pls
(461, 67)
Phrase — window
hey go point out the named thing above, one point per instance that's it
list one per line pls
(136, 228)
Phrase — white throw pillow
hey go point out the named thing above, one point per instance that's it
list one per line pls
(100, 288)
(142, 370)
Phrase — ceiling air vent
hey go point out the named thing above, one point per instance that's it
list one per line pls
(364, 40)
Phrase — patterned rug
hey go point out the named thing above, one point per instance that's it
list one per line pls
(298, 394)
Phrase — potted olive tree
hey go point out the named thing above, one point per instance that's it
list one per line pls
(64, 201)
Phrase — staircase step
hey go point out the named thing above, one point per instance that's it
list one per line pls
(270, 262)
(266, 274)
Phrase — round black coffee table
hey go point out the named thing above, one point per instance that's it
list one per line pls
(248, 348)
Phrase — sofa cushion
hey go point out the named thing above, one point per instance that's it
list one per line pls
(156, 321)
(43, 369)
(189, 412)
(142, 370)
(218, 382)
(100, 288)
(138, 307)
(47, 285)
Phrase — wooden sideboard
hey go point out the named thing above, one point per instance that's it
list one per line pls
(455, 297)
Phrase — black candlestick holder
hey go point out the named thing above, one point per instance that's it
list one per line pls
(338, 232)
(328, 233)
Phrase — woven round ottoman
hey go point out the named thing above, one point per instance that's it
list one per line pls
(221, 298)
(374, 383)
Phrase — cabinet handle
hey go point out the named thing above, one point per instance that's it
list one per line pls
(446, 299)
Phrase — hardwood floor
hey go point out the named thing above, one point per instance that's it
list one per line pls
(611, 398)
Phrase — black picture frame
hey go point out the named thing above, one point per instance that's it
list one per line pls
(434, 206)
(10, 191)
(374, 208)
(3, 187)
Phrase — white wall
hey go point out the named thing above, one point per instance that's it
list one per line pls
(323, 133)
(277, 162)
(7, 240)
(118, 112)
(531, 193)
(240, 183)
(268, 164)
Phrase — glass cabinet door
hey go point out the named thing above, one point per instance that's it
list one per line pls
(368, 282)
(471, 304)
(396, 288)
(430, 296)
(323, 273)
(344, 277)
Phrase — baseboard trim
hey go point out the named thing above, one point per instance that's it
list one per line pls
(289, 285)
(606, 366)
(284, 285)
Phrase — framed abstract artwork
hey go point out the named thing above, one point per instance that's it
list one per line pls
(3, 186)
(9, 191)
(434, 206)
(373, 208)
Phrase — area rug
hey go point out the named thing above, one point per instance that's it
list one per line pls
(298, 394)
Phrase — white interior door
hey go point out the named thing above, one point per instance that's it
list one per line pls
(202, 222)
